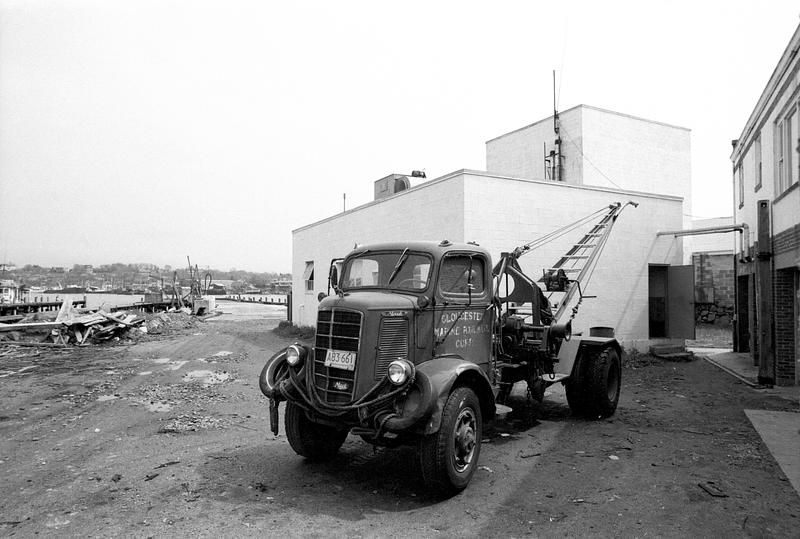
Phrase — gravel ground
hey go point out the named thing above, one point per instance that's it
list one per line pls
(168, 436)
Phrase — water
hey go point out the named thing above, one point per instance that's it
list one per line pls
(234, 310)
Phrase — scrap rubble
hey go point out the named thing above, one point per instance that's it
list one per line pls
(82, 327)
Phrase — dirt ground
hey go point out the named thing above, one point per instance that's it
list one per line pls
(169, 437)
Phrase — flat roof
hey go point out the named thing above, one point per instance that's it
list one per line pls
(468, 172)
(550, 119)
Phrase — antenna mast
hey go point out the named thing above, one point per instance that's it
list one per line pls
(558, 171)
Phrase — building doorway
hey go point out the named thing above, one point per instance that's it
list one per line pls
(671, 302)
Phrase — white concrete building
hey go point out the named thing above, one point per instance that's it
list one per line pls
(601, 148)
(512, 204)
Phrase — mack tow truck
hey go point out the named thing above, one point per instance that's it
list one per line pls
(419, 343)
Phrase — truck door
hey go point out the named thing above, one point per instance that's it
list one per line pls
(462, 323)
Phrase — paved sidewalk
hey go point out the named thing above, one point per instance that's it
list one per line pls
(740, 365)
(780, 431)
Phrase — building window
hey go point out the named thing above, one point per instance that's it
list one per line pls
(308, 276)
(779, 162)
(791, 149)
(787, 173)
(740, 181)
(757, 170)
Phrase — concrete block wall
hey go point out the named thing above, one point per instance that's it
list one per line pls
(714, 271)
(605, 149)
(430, 211)
(637, 154)
(503, 213)
(520, 153)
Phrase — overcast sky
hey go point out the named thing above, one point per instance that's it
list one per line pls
(147, 131)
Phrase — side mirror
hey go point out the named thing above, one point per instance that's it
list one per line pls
(333, 275)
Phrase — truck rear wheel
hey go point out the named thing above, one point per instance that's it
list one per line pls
(595, 391)
(309, 439)
(449, 458)
(605, 381)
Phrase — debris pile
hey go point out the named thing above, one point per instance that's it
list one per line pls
(169, 321)
(69, 326)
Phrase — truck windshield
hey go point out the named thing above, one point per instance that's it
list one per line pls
(376, 269)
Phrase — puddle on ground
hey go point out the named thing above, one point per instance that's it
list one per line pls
(206, 377)
(105, 398)
(161, 360)
(145, 373)
(222, 353)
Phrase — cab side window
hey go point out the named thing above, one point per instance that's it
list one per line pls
(459, 272)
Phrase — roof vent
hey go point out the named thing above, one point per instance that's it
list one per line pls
(445, 243)
(391, 185)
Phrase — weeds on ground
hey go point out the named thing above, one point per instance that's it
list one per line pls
(288, 330)
(633, 359)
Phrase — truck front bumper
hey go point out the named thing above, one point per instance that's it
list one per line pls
(384, 408)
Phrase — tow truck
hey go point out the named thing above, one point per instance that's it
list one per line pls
(418, 343)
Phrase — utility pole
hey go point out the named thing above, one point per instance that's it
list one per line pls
(766, 338)
(344, 202)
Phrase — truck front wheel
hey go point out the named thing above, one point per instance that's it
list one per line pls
(309, 439)
(448, 458)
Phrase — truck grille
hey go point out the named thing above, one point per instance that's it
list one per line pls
(336, 330)
(392, 344)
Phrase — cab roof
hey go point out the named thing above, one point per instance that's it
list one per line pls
(437, 249)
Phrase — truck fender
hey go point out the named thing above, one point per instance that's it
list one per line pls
(571, 351)
(426, 399)
(266, 380)
(276, 371)
(447, 372)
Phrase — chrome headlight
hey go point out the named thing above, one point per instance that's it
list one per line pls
(400, 371)
(295, 355)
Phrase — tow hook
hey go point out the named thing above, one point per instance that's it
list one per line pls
(273, 416)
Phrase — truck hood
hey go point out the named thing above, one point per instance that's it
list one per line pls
(370, 301)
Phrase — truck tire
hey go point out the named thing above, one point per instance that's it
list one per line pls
(311, 440)
(576, 391)
(604, 383)
(448, 458)
(594, 392)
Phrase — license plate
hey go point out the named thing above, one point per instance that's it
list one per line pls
(339, 359)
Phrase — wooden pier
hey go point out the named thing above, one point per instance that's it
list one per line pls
(8, 309)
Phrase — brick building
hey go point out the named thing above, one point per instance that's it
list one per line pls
(533, 186)
(766, 177)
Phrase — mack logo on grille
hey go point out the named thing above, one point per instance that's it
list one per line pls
(341, 386)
